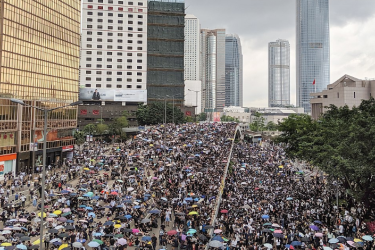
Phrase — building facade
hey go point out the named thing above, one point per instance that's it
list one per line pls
(191, 47)
(347, 90)
(233, 71)
(313, 49)
(165, 55)
(278, 73)
(39, 47)
(212, 70)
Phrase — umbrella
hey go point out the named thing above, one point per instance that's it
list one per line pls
(108, 223)
(98, 241)
(172, 232)
(315, 228)
(146, 238)
(193, 213)
(57, 212)
(224, 211)
(367, 238)
(145, 220)
(334, 240)
(121, 241)
(318, 222)
(265, 216)
(191, 231)
(319, 235)
(63, 235)
(289, 246)
(44, 214)
(53, 231)
(6, 244)
(63, 246)
(77, 244)
(134, 230)
(93, 244)
(278, 235)
(21, 246)
(215, 244)
(154, 211)
(296, 243)
(289, 198)
(25, 238)
(326, 248)
(268, 245)
(305, 239)
(69, 227)
(217, 231)
(218, 238)
(62, 219)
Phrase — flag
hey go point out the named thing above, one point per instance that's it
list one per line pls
(314, 82)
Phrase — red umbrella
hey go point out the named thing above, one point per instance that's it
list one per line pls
(224, 211)
(172, 232)
(114, 193)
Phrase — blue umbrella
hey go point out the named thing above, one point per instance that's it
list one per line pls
(265, 216)
(296, 243)
(51, 194)
(128, 216)
(333, 241)
(188, 199)
(146, 238)
(89, 208)
(120, 206)
(147, 195)
(73, 194)
(318, 222)
(155, 211)
(70, 221)
(289, 198)
(93, 244)
(82, 206)
(95, 197)
(192, 231)
(97, 234)
(20, 246)
(92, 214)
(128, 201)
(218, 238)
(136, 207)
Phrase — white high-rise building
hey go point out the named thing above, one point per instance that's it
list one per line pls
(114, 50)
(191, 54)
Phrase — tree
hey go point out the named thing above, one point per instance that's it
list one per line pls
(202, 117)
(189, 119)
(227, 118)
(80, 138)
(101, 129)
(90, 129)
(341, 143)
(154, 113)
(258, 123)
(271, 126)
(116, 127)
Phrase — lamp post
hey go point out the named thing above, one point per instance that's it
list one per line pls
(45, 111)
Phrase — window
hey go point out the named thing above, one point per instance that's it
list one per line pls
(140, 23)
(100, 1)
(99, 53)
(129, 80)
(89, 32)
(139, 73)
(129, 54)
(140, 4)
(139, 35)
(89, 39)
(119, 40)
(100, 7)
(109, 59)
(98, 79)
(139, 86)
(119, 47)
(89, 13)
(99, 46)
(119, 73)
(130, 28)
(88, 85)
(140, 29)
(128, 86)
(109, 40)
(100, 26)
(119, 53)
(130, 48)
(100, 20)
(109, 85)
(110, 21)
(88, 78)
(110, 1)
(99, 33)
(120, 8)
(120, 2)
(90, 1)
(89, 26)
(98, 66)
(129, 60)
(110, 34)
(89, 46)
(119, 66)
(98, 72)
(139, 67)
(110, 8)
(130, 9)
(119, 79)
(109, 66)
(99, 40)
(130, 41)
(118, 86)
(130, 16)
(88, 72)
(129, 67)
(139, 61)
(139, 48)
(119, 60)
(110, 27)
(109, 73)
(130, 22)
(100, 13)
(139, 54)
(338, 95)
(139, 80)
(110, 14)
(120, 21)
(129, 73)
(88, 65)
(89, 6)
(140, 16)
(130, 35)
(119, 34)
(98, 85)
(130, 3)
(354, 94)
(109, 53)
(120, 15)
(120, 28)
(88, 59)
(99, 59)
(140, 10)
(139, 42)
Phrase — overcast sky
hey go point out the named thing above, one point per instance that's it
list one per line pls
(258, 22)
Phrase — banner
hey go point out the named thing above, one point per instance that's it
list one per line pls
(216, 116)
(117, 95)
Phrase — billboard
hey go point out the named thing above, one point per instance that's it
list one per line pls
(117, 95)
(216, 116)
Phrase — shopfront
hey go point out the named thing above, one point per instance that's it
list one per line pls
(7, 164)
(67, 152)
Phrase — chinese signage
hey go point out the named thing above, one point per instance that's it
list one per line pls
(67, 148)
(7, 139)
(117, 95)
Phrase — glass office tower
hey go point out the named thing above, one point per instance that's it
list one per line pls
(313, 48)
(233, 71)
(39, 64)
(279, 73)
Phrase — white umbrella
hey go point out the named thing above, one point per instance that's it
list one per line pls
(130, 189)
(215, 243)
(77, 244)
(6, 232)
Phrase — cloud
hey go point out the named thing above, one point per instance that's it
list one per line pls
(259, 22)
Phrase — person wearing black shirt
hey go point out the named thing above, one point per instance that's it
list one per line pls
(154, 241)
(96, 95)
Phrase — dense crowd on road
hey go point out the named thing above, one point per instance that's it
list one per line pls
(164, 189)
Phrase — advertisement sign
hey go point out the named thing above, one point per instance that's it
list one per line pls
(7, 139)
(67, 148)
(117, 95)
(2, 165)
(33, 146)
(216, 116)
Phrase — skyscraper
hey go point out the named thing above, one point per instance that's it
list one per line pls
(233, 71)
(191, 56)
(39, 52)
(278, 73)
(165, 54)
(213, 69)
(313, 48)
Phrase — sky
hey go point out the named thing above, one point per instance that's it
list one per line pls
(258, 22)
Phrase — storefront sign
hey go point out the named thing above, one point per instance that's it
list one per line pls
(67, 148)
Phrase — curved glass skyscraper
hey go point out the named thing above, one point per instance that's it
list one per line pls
(313, 60)
(278, 73)
(233, 71)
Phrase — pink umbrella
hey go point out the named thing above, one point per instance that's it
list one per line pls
(134, 230)
(23, 220)
(217, 231)
(172, 232)
(155, 178)
(319, 235)
(121, 241)
(66, 210)
(278, 232)
(224, 211)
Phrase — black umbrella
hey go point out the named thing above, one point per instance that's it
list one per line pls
(278, 235)
(33, 247)
(10, 248)
(53, 231)
(179, 213)
(108, 223)
(25, 238)
(109, 235)
(120, 218)
(202, 237)
(305, 239)
(208, 227)
(266, 230)
(19, 235)
(69, 227)
(63, 235)
(127, 230)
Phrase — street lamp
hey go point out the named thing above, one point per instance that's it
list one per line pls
(44, 154)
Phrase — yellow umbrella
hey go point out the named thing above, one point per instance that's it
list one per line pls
(117, 226)
(40, 214)
(86, 169)
(6, 244)
(116, 221)
(281, 166)
(194, 206)
(357, 240)
(151, 145)
(193, 213)
(37, 242)
(57, 212)
(63, 246)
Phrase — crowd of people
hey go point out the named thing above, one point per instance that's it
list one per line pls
(174, 187)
